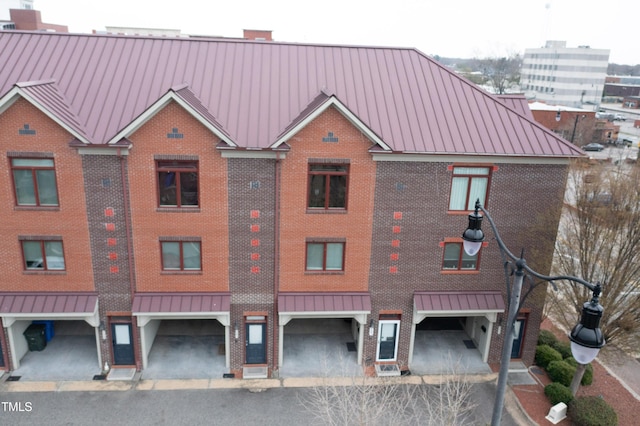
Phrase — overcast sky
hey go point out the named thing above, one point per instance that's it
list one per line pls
(449, 28)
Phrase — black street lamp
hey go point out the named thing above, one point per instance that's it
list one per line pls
(575, 124)
(586, 337)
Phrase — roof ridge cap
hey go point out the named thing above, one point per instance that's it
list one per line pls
(22, 84)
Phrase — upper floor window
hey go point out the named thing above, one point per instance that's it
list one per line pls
(43, 255)
(178, 183)
(455, 258)
(467, 185)
(325, 256)
(181, 256)
(34, 181)
(328, 186)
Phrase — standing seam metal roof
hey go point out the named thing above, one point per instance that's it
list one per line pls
(253, 90)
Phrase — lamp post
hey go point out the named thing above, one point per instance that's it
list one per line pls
(575, 124)
(586, 337)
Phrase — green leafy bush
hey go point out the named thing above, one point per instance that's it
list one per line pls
(592, 411)
(561, 372)
(564, 348)
(557, 392)
(587, 378)
(546, 338)
(546, 354)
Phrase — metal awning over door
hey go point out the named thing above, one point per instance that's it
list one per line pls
(457, 303)
(51, 306)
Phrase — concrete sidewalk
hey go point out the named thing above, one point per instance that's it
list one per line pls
(256, 384)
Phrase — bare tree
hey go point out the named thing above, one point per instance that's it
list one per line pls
(501, 73)
(392, 400)
(599, 240)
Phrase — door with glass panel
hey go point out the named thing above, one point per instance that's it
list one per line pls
(387, 340)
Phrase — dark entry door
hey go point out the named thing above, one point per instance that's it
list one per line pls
(122, 337)
(256, 343)
(516, 349)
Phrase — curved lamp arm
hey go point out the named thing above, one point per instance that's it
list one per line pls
(520, 262)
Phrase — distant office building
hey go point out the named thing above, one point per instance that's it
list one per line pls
(6, 5)
(561, 75)
(6, 22)
(617, 88)
(20, 15)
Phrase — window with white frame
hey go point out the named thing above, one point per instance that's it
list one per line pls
(467, 185)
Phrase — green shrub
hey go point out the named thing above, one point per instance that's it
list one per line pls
(564, 348)
(592, 411)
(561, 372)
(587, 378)
(546, 338)
(545, 354)
(557, 392)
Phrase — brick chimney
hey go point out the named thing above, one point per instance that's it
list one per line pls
(264, 35)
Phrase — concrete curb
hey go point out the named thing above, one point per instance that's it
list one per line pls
(250, 384)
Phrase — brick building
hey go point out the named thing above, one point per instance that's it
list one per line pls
(250, 186)
(577, 125)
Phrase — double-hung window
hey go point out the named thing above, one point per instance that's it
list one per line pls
(34, 181)
(456, 259)
(328, 186)
(43, 255)
(467, 185)
(177, 183)
(181, 255)
(325, 256)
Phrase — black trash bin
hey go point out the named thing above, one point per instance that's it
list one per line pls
(36, 338)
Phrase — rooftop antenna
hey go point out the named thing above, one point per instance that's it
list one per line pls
(547, 23)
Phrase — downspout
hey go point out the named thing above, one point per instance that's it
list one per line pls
(276, 263)
(127, 224)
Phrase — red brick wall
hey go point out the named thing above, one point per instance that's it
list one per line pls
(68, 222)
(420, 192)
(149, 224)
(354, 225)
(584, 127)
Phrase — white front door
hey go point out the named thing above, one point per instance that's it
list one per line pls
(387, 340)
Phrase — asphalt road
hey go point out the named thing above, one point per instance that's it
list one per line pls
(278, 406)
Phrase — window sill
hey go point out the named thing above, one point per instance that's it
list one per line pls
(42, 272)
(37, 208)
(459, 272)
(181, 272)
(324, 272)
(325, 211)
(178, 209)
(459, 212)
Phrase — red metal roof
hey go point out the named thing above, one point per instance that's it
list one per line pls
(518, 103)
(324, 302)
(441, 301)
(47, 303)
(255, 90)
(181, 302)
